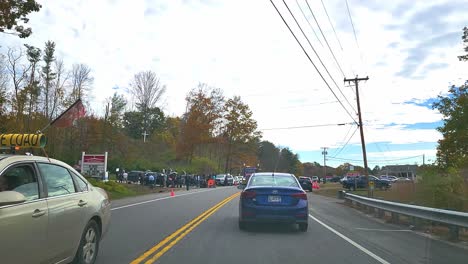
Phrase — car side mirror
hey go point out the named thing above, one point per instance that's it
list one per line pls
(11, 197)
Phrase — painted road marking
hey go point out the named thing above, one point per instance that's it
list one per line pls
(383, 230)
(175, 237)
(162, 198)
(363, 249)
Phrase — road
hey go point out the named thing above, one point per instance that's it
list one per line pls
(337, 234)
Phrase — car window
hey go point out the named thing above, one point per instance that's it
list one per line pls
(58, 180)
(20, 179)
(81, 185)
(267, 180)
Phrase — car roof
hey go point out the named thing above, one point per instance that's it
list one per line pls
(9, 159)
(272, 174)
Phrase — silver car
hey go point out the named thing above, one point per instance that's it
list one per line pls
(49, 213)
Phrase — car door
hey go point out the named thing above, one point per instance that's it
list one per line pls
(67, 211)
(23, 226)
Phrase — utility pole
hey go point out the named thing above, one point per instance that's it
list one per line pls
(361, 129)
(144, 136)
(324, 153)
(424, 159)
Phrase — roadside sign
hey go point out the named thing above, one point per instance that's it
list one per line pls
(371, 185)
(94, 165)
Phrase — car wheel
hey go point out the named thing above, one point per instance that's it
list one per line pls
(303, 227)
(89, 245)
(242, 225)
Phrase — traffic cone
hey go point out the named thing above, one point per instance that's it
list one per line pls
(315, 186)
(172, 192)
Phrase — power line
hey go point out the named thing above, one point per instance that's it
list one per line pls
(305, 52)
(309, 126)
(336, 35)
(376, 161)
(349, 139)
(308, 22)
(326, 41)
(310, 44)
(352, 24)
(331, 24)
(344, 140)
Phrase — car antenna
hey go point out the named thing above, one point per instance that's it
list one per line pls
(45, 153)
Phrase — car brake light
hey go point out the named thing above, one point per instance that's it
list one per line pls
(301, 195)
(248, 194)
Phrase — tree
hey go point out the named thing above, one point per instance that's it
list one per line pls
(18, 74)
(147, 90)
(239, 127)
(13, 16)
(48, 75)
(133, 121)
(31, 91)
(202, 121)
(81, 81)
(3, 85)
(268, 155)
(465, 41)
(376, 170)
(115, 108)
(453, 147)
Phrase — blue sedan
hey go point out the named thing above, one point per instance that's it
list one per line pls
(273, 198)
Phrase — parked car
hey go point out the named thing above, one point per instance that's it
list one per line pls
(361, 182)
(389, 178)
(135, 176)
(335, 179)
(315, 178)
(306, 183)
(273, 197)
(49, 211)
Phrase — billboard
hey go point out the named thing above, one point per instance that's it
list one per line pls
(94, 165)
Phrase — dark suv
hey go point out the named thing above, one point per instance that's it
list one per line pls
(306, 183)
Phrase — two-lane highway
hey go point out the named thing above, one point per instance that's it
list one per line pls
(200, 226)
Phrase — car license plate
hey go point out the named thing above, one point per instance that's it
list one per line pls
(274, 199)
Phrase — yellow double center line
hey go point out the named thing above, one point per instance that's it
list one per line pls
(175, 237)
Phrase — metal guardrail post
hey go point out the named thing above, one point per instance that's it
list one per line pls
(395, 218)
(454, 231)
(380, 213)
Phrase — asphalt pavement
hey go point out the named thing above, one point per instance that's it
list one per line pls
(337, 234)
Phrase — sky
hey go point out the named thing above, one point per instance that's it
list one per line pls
(408, 49)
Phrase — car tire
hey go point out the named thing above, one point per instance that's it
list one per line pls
(89, 244)
(303, 227)
(242, 225)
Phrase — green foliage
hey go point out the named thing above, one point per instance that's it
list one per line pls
(114, 189)
(134, 122)
(441, 188)
(453, 147)
(13, 16)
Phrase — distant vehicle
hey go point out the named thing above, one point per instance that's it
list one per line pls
(335, 179)
(274, 198)
(134, 176)
(50, 212)
(220, 179)
(404, 179)
(361, 182)
(306, 183)
(315, 178)
(389, 178)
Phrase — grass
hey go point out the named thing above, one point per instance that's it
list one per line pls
(117, 190)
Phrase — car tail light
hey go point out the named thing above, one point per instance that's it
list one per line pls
(301, 195)
(248, 194)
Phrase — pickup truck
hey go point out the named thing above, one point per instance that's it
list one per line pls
(361, 182)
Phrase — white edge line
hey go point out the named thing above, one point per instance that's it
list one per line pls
(159, 199)
(383, 230)
(363, 249)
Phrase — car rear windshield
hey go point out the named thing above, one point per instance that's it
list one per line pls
(270, 180)
(220, 176)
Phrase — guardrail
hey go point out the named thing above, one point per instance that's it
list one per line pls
(453, 219)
